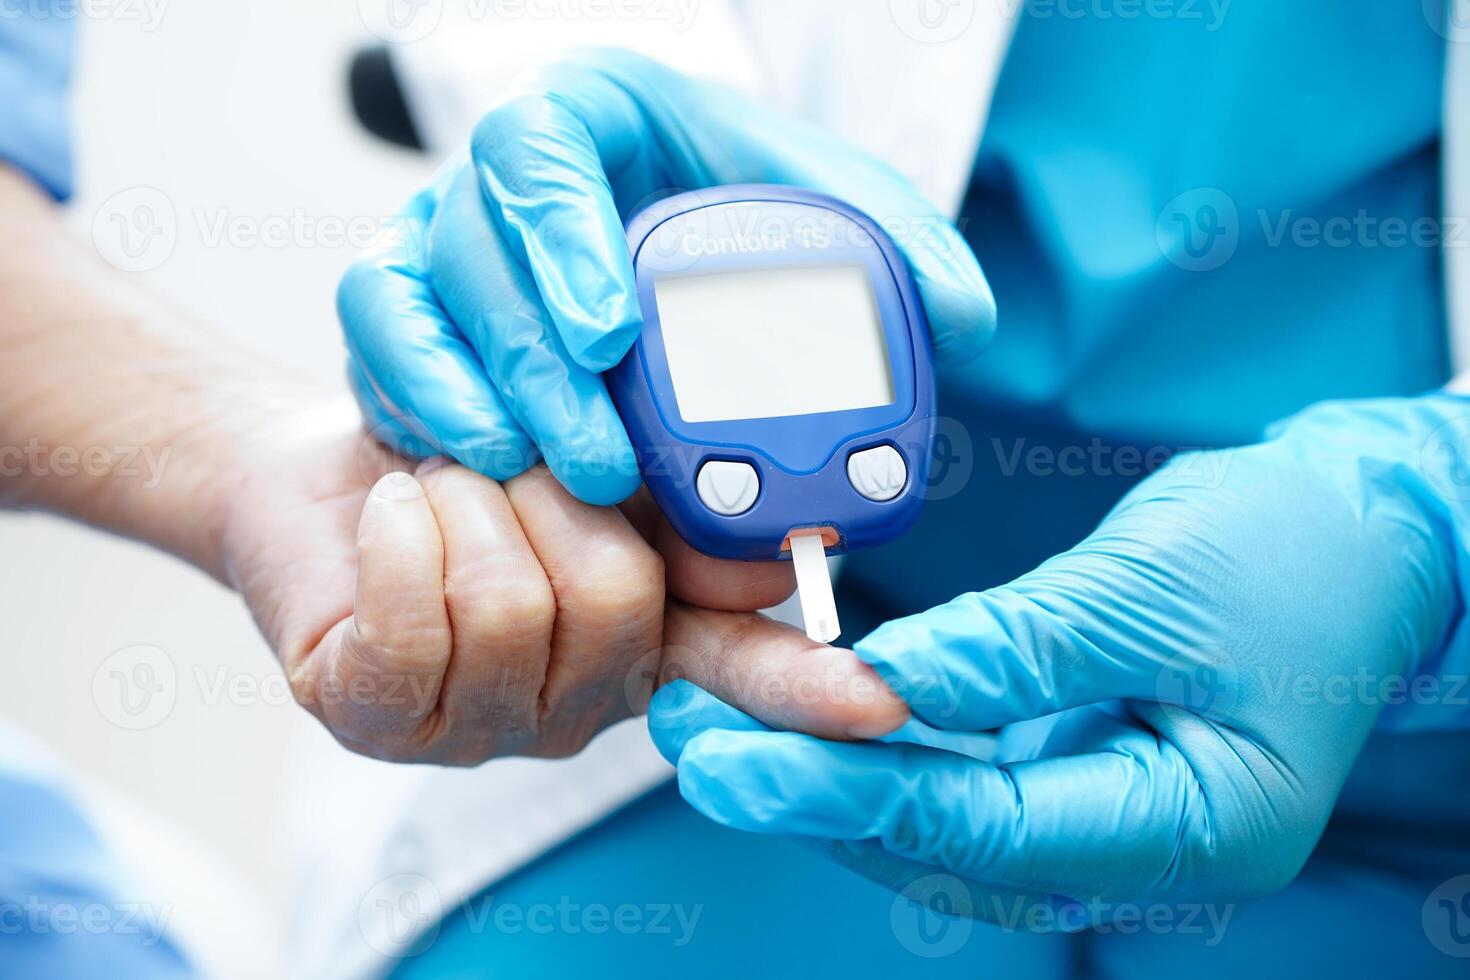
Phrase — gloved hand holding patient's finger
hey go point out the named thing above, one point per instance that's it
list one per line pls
(1153, 745)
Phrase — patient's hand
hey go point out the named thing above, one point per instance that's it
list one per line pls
(444, 617)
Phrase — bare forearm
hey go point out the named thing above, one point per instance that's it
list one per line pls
(115, 409)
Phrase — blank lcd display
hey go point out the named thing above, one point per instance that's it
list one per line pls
(766, 343)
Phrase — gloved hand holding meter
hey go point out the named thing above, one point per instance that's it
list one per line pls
(764, 353)
(780, 396)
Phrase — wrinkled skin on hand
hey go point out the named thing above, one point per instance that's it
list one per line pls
(444, 617)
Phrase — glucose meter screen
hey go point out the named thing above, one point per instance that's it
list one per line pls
(766, 343)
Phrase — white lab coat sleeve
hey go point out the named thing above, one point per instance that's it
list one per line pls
(451, 76)
(909, 81)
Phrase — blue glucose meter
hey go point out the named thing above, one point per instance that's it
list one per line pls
(783, 377)
(782, 384)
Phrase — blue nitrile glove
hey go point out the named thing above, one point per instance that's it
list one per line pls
(488, 337)
(1206, 667)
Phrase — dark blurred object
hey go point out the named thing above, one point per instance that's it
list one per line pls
(377, 98)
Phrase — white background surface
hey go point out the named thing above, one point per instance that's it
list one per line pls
(235, 112)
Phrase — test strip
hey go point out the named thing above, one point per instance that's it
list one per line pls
(814, 587)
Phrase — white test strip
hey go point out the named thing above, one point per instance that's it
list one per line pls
(814, 587)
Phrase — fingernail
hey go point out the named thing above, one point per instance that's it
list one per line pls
(398, 486)
(884, 711)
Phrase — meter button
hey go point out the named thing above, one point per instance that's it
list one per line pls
(728, 488)
(878, 474)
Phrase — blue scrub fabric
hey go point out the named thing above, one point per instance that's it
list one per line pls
(1193, 226)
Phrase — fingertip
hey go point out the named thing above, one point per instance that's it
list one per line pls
(886, 714)
(595, 476)
(961, 323)
(855, 705)
(909, 655)
(598, 491)
(398, 611)
(714, 583)
(602, 349)
(357, 286)
(957, 297)
(777, 675)
(396, 534)
(397, 487)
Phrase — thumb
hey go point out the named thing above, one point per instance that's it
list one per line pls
(957, 299)
(1116, 617)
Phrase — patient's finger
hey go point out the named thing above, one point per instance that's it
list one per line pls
(501, 608)
(609, 593)
(714, 583)
(698, 579)
(774, 673)
(386, 672)
(642, 512)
